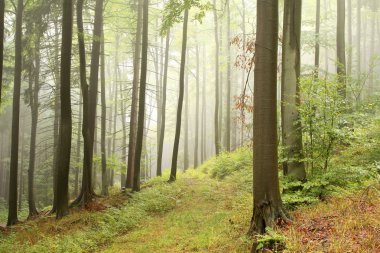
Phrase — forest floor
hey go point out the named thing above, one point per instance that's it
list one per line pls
(209, 210)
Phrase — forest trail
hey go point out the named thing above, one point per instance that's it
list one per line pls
(196, 224)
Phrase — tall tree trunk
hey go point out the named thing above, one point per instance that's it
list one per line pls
(228, 120)
(141, 114)
(372, 48)
(2, 12)
(78, 155)
(203, 142)
(186, 130)
(56, 114)
(12, 199)
(173, 172)
(349, 24)
(103, 122)
(216, 115)
(267, 199)
(124, 130)
(34, 104)
(317, 38)
(64, 147)
(89, 110)
(341, 47)
(135, 98)
(21, 176)
(196, 147)
(242, 115)
(290, 91)
(163, 115)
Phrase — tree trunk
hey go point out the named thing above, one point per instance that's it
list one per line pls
(163, 115)
(358, 38)
(78, 155)
(349, 24)
(228, 120)
(64, 147)
(12, 199)
(186, 130)
(372, 49)
(203, 142)
(196, 148)
(135, 98)
(317, 37)
(290, 94)
(2, 12)
(341, 47)
(141, 114)
(173, 172)
(267, 200)
(216, 115)
(33, 135)
(103, 122)
(124, 129)
(89, 109)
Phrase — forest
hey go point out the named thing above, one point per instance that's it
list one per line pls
(189, 126)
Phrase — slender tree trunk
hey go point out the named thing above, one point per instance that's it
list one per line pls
(290, 91)
(89, 110)
(163, 115)
(2, 12)
(56, 115)
(267, 200)
(34, 104)
(186, 130)
(203, 142)
(358, 38)
(242, 115)
(173, 172)
(21, 177)
(124, 131)
(103, 122)
(317, 30)
(216, 115)
(196, 147)
(349, 24)
(64, 148)
(372, 48)
(341, 47)
(12, 199)
(135, 97)
(141, 114)
(78, 155)
(228, 120)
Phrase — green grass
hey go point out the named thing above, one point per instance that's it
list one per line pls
(209, 210)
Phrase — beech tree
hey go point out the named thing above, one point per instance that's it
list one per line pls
(267, 204)
(290, 97)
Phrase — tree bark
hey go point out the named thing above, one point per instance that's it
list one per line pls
(89, 109)
(141, 114)
(216, 114)
(196, 147)
(317, 37)
(173, 172)
(358, 38)
(163, 115)
(341, 47)
(64, 148)
(103, 122)
(267, 205)
(349, 24)
(12, 199)
(135, 98)
(186, 119)
(290, 91)
(34, 104)
(228, 120)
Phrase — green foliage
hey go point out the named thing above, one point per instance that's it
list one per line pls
(271, 240)
(227, 163)
(173, 12)
(323, 123)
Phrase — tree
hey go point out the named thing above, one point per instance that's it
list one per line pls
(228, 117)
(290, 97)
(12, 199)
(163, 115)
(317, 30)
(89, 109)
(358, 37)
(341, 47)
(141, 113)
(267, 204)
(103, 122)
(196, 147)
(64, 147)
(173, 172)
(216, 115)
(135, 97)
(2, 11)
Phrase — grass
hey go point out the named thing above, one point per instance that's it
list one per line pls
(209, 210)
